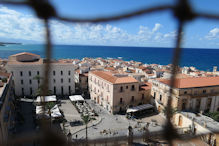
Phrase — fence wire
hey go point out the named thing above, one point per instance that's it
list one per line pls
(44, 10)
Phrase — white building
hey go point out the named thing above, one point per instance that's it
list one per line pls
(26, 66)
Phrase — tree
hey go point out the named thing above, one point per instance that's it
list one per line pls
(172, 110)
(38, 78)
(39, 91)
(86, 120)
(49, 106)
(213, 115)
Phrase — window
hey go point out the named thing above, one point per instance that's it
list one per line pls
(21, 73)
(184, 103)
(142, 96)
(31, 91)
(196, 92)
(30, 81)
(133, 87)
(204, 91)
(22, 90)
(29, 73)
(133, 98)
(160, 97)
(69, 72)
(54, 73)
(38, 73)
(69, 90)
(121, 89)
(61, 80)
(120, 100)
(212, 90)
(198, 103)
(208, 104)
(61, 72)
(38, 81)
(22, 82)
(54, 80)
(127, 87)
(185, 92)
(54, 89)
(69, 80)
(62, 91)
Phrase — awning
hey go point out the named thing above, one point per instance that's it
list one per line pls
(139, 108)
(75, 98)
(51, 98)
(55, 112)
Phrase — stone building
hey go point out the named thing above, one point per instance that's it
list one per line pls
(189, 94)
(116, 92)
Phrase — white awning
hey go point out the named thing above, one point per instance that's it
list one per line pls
(55, 112)
(139, 108)
(51, 98)
(75, 98)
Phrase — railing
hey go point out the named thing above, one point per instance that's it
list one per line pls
(45, 11)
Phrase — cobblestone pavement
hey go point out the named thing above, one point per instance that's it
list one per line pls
(114, 125)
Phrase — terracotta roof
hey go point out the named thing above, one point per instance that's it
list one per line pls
(25, 53)
(193, 82)
(110, 68)
(113, 79)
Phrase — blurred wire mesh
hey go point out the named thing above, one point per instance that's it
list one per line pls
(45, 11)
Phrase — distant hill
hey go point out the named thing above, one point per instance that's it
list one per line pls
(9, 43)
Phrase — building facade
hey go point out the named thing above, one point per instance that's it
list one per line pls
(28, 74)
(115, 92)
(7, 122)
(189, 94)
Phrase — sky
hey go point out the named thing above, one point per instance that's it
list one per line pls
(19, 24)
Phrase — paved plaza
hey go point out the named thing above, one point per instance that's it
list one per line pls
(116, 125)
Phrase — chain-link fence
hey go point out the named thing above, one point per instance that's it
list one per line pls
(45, 11)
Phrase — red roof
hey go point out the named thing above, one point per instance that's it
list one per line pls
(113, 79)
(193, 82)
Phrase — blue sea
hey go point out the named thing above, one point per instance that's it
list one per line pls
(203, 59)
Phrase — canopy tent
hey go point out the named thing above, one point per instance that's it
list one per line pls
(55, 112)
(139, 108)
(51, 98)
(75, 98)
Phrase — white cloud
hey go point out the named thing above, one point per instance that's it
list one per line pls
(16, 25)
(213, 34)
(156, 27)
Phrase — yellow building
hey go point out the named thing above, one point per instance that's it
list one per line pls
(191, 94)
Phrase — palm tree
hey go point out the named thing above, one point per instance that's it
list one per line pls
(172, 110)
(38, 78)
(86, 120)
(39, 91)
(49, 106)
